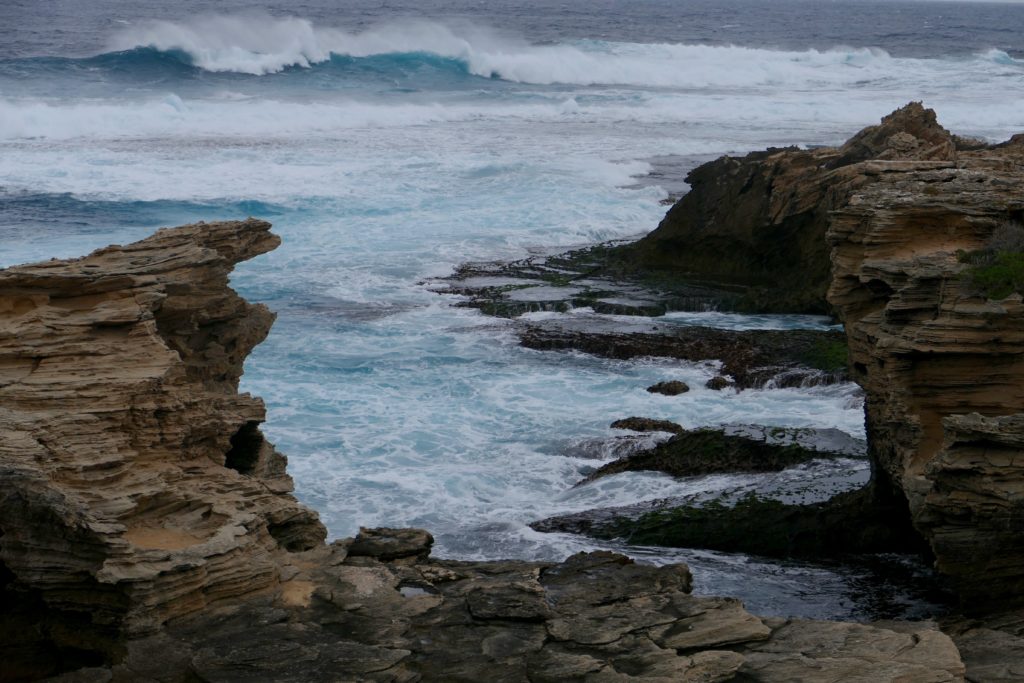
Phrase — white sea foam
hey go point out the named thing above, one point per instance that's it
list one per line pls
(707, 122)
(262, 44)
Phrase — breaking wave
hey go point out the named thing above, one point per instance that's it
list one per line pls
(261, 45)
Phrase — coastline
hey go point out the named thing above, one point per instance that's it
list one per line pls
(365, 605)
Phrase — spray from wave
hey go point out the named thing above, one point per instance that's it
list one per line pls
(260, 45)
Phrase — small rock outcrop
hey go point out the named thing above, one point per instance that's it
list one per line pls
(148, 533)
(669, 388)
(695, 452)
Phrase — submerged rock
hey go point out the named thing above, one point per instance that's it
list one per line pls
(671, 388)
(717, 383)
(647, 424)
(713, 451)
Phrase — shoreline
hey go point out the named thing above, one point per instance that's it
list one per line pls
(149, 531)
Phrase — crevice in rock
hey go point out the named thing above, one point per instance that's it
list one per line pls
(245, 449)
(29, 634)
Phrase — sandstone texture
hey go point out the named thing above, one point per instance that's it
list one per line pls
(755, 225)
(942, 364)
(137, 487)
(148, 532)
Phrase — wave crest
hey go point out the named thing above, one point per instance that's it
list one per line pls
(262, 45)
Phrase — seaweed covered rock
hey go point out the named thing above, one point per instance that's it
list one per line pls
(711, 451)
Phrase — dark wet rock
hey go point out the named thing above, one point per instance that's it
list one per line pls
(717, 383)
(646, 424)
(672, 388)
(753, 358)
(712, 451)
(849, 523)
(828, 440)
(391, 544)
(570, 280)
(611, 448)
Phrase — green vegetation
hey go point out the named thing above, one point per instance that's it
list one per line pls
(997, 270)
(827, 355)
(998, 277)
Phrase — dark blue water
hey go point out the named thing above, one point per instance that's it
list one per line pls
(913, 29)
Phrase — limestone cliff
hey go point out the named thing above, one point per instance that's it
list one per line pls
(892, 224)
(942, 363)
(136, 486)
(147, 532)
(755, 225)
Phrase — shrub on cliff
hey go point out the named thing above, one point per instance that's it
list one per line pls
(997, 270)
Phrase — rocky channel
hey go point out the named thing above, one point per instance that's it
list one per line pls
(148, 531)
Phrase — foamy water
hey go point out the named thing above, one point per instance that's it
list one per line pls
(388, 151)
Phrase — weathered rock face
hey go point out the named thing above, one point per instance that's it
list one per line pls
(759, 222)
(594, 617)
(942, 365)
(137, 487)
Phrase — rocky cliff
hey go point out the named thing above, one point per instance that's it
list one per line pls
(147, 532)
(755, 225)
(917, 237)
(137, 487)
(937, 341)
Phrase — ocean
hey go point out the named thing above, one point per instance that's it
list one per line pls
(390, 141)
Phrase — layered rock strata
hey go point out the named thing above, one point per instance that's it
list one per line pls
(942, 364)
(758, 223)
(148, 532)
(136, 485)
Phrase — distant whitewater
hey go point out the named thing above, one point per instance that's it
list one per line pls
(389, 142)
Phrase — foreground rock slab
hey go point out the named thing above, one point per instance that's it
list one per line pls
(148, 533)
